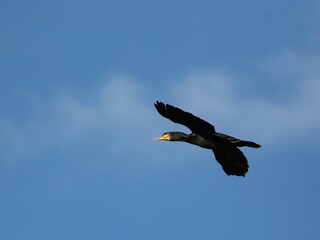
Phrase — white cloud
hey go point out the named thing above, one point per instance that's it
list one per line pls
(68, 121)
(225, 100)
(121, 110)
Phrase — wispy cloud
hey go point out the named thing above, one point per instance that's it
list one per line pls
(67, 121)
(235, 106)
(121, 110)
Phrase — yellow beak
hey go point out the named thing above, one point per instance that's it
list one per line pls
(164, 137)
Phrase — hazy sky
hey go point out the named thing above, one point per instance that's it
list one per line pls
(78, 80)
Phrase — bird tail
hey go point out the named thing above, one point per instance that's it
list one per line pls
(242, 143)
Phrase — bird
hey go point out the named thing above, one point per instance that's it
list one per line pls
(203, 134)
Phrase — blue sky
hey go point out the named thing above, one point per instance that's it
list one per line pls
(78, 81)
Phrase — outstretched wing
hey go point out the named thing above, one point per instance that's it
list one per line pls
(232, 160)
(176, 115)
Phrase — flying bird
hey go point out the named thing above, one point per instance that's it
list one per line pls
(225, 148)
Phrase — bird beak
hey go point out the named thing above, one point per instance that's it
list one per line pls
(164, 137)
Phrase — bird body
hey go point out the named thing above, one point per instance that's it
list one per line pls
(224, 147)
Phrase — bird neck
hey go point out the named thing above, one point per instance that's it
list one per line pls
(195, 139)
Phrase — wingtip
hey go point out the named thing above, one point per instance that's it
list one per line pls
(157, 103)
(160, 106)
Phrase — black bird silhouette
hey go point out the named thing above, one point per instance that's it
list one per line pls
(224, 147)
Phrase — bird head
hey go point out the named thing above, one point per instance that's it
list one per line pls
(173, 136)
(165, 137)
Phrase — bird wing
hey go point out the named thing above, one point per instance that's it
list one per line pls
(232, 160)
(176, 115)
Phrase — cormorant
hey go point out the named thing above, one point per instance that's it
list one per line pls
(224, 147)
